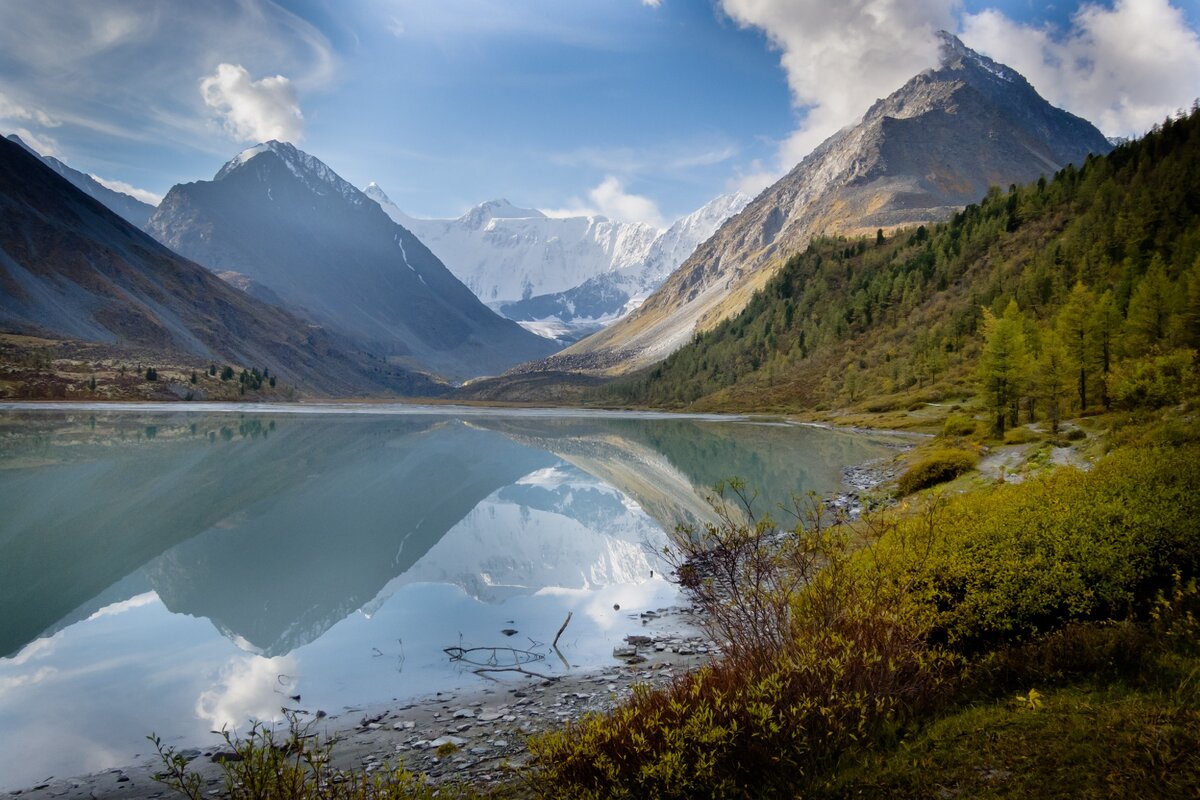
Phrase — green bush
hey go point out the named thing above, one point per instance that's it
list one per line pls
(853, 667)
(1153, 381)
(1064, 576)
(1022, 435)
(1023, 559)
(936, 467)
(296, 765)
(958, 425)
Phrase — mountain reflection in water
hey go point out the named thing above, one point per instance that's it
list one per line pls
(294, 535)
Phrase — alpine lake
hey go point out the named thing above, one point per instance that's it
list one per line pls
(179, 568)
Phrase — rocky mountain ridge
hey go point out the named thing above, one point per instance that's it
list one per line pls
(936, 144)
(283, 220)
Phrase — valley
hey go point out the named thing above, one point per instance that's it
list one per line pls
(850, 452)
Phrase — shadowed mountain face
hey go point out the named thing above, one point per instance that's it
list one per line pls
(129, 208)
(71, 268)
(284, 220)
(308, 519)
(936, 144)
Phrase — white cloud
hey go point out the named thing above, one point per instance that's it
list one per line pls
(137, 601)
(652, 3)
(46, 145)
(14, 111)
(251, 110)
(1124, 68)
(145, 195)
(609, 199)
(133, 64)
(249, 687)
(840, 57)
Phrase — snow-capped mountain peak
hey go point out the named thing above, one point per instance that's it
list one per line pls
(953, 51)
(309, 169)
(483, 213)
(376, 193)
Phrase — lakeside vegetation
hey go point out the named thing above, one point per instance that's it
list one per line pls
(982, 637)
(1001, 614)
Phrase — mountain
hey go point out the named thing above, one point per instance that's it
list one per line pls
(933, 146)
(1101, 260)
(560, 277)
(284, 220)
(506, 253)
(132, 210)
(71, 268)
(606, 297)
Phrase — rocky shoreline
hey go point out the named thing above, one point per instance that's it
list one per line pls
(476, 736)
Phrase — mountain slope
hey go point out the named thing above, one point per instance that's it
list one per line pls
(284, 220)
(132, 210)
(70, 268)
(933, 146)
(1114, 245)
(610, 295)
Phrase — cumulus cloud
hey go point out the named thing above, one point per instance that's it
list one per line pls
(1124, 68)
(133, 64)
(249, 687)
(253, 110)
(609, 199)
(145, 195)
(840, 57)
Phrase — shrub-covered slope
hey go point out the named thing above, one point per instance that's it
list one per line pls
(898, 318)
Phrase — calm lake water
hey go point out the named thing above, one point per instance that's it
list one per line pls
(177, 569)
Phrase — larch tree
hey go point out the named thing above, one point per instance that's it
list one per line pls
(1106, 334)
(1054, 370)
(1074, 328)
(1002, 369)
(1149, 309)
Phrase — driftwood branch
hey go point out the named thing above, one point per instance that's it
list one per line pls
(522, 670)
(566, 622)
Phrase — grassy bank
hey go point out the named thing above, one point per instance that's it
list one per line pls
(996, 643)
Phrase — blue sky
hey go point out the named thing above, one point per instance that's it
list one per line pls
(633, 108)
